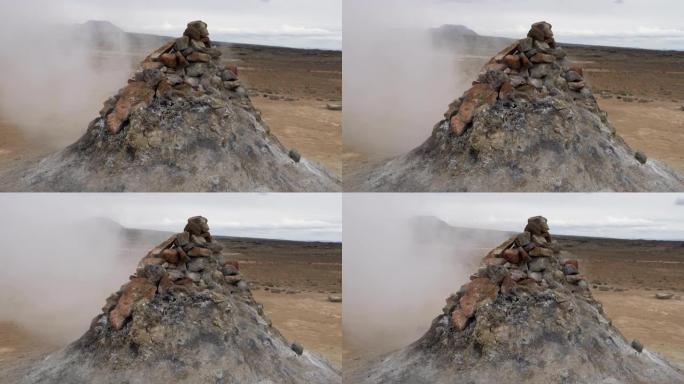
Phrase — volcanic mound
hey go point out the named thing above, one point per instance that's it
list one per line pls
(184, 122)
(529, 123)
(185, 316)
(526, 316)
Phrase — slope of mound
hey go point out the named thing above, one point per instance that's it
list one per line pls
(183, 123)
(185, 316)
(525, 316)
(529, 123)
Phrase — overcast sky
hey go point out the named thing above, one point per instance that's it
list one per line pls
(292, 23)
(653, 24)
(624, 215)
(314, 217)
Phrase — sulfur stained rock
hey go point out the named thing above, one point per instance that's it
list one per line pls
(136, 93)
(136, 291)
(479, 95)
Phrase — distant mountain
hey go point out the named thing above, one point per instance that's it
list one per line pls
(450, 36)
(433, 229)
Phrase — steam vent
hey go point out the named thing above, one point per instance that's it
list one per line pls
(185, 316)
(527, 315)
(528, 123)
(182, 123)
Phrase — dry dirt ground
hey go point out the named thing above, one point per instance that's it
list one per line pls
(624, 275)
(291, 87)
(305, 274)
(642, 91)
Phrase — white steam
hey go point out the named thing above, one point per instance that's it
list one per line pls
(396, 84)
(55, 76)
(58, 266)
(398, 270)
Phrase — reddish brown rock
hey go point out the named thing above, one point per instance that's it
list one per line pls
(477, 290)
(459, 319)
(170, 256)
(506, 90)
(233, 263)
(506, 51)
(199, 252)
(134, 94)
(524, 256)
(512, 61)
(169, 60)
(154, 56)
(512, 256)
(507, 285)
(198, 57)
(152, 261)
(524, 61)
(182, 62)
(476, 97)
(577, 69)
(165, 284)
(542, 58)
(233, 68)
(137, 290)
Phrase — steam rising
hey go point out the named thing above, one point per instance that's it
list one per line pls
(58, 266)
(398, 269)
(397, 84)
(56, 76)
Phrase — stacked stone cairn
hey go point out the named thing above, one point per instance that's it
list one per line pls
(187, 66)
(530, 68)
(188, 262)
(522, 265)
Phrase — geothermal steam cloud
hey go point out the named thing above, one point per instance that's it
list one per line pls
(185, 316)
(527, 315)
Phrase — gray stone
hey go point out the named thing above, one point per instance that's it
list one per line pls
(174, 79)
(175, 274)
(641, 157)
(664, 296)
(228, 75)
(496, 273)
(525, 44)
(517, 80)
(636, 344)
(538, 264)
(517, 275)
(154, 273)
(194, 276)
(576, 85)
(540, 70)
(199, 240)
(294, 155)
(182, 43)
(539, 240)
(152, 77)
(196, 69)
(297, 348)
(573, 76)
(334, 106)
(536, 276)
(229, 270)
(537, 83)
(182, 239)
(523, 239)
(198, 264)
(569, 269)
(334, 299)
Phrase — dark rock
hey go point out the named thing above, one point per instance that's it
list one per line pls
(641, 157)
(229, 270)
(294, 155)
(636, 344)
(297, 348)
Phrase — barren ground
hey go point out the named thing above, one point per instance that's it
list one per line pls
(305, 272)
(624, 275)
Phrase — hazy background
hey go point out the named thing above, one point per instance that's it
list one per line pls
(397, 85)
(399, 270)
(63, 254)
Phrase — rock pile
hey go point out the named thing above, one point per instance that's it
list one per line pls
(529, 122)
(187, 65)
(184, 122)
(187, 316)
(526, 315)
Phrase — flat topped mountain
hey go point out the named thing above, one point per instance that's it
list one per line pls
(186, 316)
(528, 123)
(527, 315)
(184, 122)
